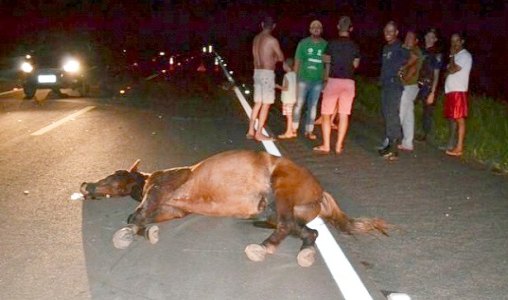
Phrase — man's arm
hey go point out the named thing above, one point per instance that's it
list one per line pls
(327, 59)
(437, 69)
(356, 63)
(297, 59)
(409, 69)
(356, 60)
(284, 86)
(452, 66)
(279, 56)
(255, 53)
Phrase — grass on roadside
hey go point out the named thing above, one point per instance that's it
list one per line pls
(487, 124)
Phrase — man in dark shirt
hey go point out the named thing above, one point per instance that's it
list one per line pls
(394, 57)
(342, 57)
(428, 80)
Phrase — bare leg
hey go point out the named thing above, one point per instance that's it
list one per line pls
(341, 134)
(263, 115)
(325, 129)
(452, 140)
(289, 134)
(289, 125)
(253, 117)
(334, 116)
(462, 133)
(461, 130)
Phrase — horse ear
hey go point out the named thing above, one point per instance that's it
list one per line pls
(134, 167)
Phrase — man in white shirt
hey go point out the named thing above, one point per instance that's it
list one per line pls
(456, 87)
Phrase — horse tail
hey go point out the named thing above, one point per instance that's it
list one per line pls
(331, 212)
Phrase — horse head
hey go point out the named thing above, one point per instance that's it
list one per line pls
(160, 187)
(121, 183)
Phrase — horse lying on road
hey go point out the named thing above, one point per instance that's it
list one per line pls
(238, 183)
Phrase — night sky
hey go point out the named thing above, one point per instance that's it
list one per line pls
(176, 26)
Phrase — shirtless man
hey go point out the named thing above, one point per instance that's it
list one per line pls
(266, 52)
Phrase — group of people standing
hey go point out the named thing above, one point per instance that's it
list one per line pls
(408, 73)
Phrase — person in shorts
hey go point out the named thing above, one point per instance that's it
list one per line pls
(455, 107)
(288, 97)
(342, 57)
(266, 51)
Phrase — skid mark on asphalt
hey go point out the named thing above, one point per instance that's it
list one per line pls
(62, 121)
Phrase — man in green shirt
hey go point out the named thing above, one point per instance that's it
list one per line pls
(310, 70)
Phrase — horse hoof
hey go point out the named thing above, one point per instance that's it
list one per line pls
(306, 257)
(123, 237)
(152, 234)
(255, 252)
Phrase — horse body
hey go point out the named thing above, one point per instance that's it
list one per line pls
(228, 184)
(232, 184)
(242, 184)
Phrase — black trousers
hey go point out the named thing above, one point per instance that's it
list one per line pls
(428, 109)
(390, 107)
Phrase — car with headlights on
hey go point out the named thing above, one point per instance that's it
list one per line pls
(55, 70)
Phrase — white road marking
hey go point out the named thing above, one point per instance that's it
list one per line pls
(151, 77)
(62, 121)
(346, 278)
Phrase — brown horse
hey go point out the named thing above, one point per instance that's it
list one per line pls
(239, 183)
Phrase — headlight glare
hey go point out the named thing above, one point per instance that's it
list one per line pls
(26, 67)
(71, 66)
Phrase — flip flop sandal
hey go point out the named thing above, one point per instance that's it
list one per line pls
(318, 150)
(340, 151)
(452, 153)
(285, 136)
(311, 136)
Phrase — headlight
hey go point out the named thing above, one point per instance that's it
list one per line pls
(71, 66)
(26, 67)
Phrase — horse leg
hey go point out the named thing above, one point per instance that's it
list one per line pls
(144, 226)
(304, 214)
(125, 236)
(267, 218)
(285, 225)
(257, 252)
(306, 256)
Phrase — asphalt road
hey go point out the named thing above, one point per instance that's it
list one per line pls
(449, 239)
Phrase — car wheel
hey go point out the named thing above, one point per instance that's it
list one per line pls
(29, 91)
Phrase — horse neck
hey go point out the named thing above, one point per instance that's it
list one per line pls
(140, 178)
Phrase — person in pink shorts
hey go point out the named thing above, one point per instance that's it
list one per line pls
(342, 57)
